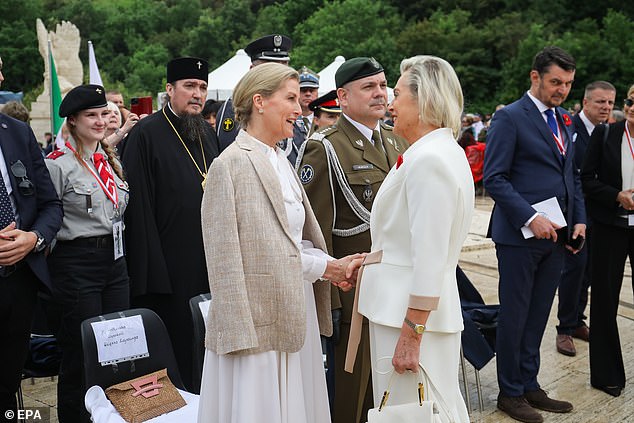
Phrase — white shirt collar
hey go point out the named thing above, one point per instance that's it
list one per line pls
(589, 125)
(365, 131)
(172, 110)
(540, 106)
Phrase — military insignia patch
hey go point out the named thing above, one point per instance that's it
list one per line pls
(395, 145)
(306, 174)
(359, 143)
(228, 124)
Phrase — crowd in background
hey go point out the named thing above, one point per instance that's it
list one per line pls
(153, 172)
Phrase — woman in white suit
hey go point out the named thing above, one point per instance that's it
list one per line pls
(265, 257)
(420, 219)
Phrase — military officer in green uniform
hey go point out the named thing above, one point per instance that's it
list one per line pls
(342, 168)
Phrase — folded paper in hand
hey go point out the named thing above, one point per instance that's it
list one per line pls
(549, 209)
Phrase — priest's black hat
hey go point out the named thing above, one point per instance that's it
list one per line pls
(187, 68)
(273, 48)
(83, 97)
(356, 68)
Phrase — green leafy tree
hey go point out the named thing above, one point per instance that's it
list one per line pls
(284, 17)
(219, 33)
(349, 28)
(23, 65)
(475, 50)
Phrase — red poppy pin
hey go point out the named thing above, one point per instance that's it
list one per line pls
(399, 161)
(567, 120)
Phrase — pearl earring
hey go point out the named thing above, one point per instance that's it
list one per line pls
(261, 111)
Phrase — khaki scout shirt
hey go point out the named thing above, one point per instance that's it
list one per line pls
(88, 211)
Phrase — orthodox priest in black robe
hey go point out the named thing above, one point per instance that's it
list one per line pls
(166, 158)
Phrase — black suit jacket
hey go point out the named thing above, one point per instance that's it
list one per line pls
(601, 175)
(39, 210)
(582, 139)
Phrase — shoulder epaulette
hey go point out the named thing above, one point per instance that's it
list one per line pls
(386, 126)
(323, 133)
(55, 154)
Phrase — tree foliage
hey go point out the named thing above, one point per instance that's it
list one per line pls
(490, 43)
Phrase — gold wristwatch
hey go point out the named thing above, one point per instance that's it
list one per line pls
(419, 329)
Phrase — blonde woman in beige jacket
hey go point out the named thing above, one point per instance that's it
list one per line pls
(266, 265)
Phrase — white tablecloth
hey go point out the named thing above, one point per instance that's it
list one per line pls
(102, 410)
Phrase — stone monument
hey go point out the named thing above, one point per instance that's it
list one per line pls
(65, 46)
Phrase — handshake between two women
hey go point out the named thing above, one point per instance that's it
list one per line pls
(343, 272)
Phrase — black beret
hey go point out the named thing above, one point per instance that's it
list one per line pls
(270, 47)
(187, 68)
(83, 97)
(326, 103)
(356, 68)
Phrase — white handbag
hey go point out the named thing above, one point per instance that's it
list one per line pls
(421, 412)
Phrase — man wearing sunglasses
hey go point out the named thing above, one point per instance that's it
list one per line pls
(30, 216)
(598, 102)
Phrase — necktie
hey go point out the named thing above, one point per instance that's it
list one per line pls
(306, 123)
(552, 122)
(104, 173)
(6, 210)
(376, 138)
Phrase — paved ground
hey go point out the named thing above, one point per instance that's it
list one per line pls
(563, 377)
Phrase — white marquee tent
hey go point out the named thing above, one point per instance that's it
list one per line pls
(327, 78)
(223, 79)
(327, 75)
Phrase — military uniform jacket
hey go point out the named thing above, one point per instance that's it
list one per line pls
(364, 167)
(226, 126)
(88, 211)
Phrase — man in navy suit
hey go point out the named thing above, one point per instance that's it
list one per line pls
(529, 159)
(598, 102)
(30, 216)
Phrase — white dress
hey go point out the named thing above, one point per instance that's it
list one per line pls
(273, 386)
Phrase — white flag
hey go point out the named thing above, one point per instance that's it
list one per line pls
(95, 77)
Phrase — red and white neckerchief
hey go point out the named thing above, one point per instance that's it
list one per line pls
(105, 179)
(559, 139)
(629, 141)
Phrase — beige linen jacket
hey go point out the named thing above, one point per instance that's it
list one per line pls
(254, 266)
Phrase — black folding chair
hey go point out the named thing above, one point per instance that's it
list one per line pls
(198, 350)
(161, 354)
(478, 336)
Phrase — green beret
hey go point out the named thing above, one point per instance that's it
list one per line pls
(356, 68)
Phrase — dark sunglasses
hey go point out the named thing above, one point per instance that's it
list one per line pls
(25, 186)
(628, 102)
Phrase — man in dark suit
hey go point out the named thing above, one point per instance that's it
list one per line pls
(529, 159)
(30, 216)
(598, 102)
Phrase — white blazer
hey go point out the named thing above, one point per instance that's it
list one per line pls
(420, 219)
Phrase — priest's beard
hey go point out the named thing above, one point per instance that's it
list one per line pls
(193, 126)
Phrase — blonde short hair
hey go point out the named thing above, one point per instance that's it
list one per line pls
(435, 85)
(630, 91)
(263, 79)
